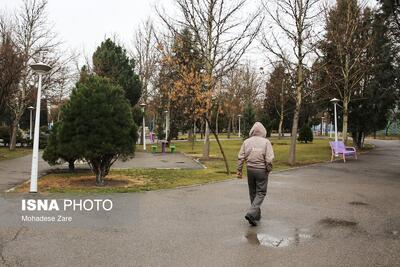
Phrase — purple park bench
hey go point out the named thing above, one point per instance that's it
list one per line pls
(339, 149)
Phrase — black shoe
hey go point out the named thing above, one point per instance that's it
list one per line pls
(258, 218)
(251, 220)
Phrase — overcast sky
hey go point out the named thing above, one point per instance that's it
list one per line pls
(83, 24)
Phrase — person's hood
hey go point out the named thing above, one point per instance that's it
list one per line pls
(258, 130)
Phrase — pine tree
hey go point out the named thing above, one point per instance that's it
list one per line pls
(97, 124)
(305, 134)
(377, 95)
(277, 97)
(249, 118)
(55, 151)
(110, 60)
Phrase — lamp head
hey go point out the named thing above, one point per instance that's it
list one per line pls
(334, 100)
(142, 105)
(40, 68)
(30, 107)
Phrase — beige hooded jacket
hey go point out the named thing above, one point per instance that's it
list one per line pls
(256, 150)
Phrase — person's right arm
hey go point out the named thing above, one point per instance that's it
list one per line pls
(240, 162)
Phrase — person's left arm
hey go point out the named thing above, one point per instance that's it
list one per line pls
(269, 155)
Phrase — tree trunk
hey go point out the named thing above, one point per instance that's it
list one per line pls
(71, 165)
(233, 125)
(99, 176)
(387, 129)
(280, 131)
(201, 130)
(194, 134)
(100, 166)
(360, 140)
(346, 98)
(293, 141)
(216, 123)
(190, 135)
(206, 147)
(345, 119)
(293, 138)
(229, 128)
(14, 132)
(222, 150)
(363, 140)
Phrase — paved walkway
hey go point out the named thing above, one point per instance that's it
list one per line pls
(16, 171)
(331, 214)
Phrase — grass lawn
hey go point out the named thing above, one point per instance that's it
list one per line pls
(135, 180)
(5, 153)
(221, 136)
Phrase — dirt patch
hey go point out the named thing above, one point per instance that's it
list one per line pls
(334, 222)
(84, 182)
(109, 181)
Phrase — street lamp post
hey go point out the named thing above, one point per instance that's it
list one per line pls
(239, 116)
(40, 69)
(335, 101)
(30, 121)
(143, 105)
(166, 125)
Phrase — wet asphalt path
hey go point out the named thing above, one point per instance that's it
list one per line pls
(323, 215)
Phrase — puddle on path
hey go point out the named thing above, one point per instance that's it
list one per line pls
(334, 222)
(275, 240)
(358, 203)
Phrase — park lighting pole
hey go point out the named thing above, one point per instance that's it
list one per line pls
(40, 69)
(239, 124)
(30, 121)
(143, 105)
(335, 101)
(166, 125)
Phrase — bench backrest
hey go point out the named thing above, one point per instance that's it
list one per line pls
(337, 146)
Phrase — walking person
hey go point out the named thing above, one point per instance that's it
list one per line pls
(258, 154)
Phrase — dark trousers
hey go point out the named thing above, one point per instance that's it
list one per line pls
(258, 181)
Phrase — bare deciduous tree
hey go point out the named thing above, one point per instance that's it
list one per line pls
(241, 85)
(345, 49)
(37, 42)
(223, 37)
(146, 57)
(293, 44)
(10, 61)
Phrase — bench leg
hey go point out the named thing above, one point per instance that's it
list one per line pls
(344, 158)
(332, 157)
(355, 155)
